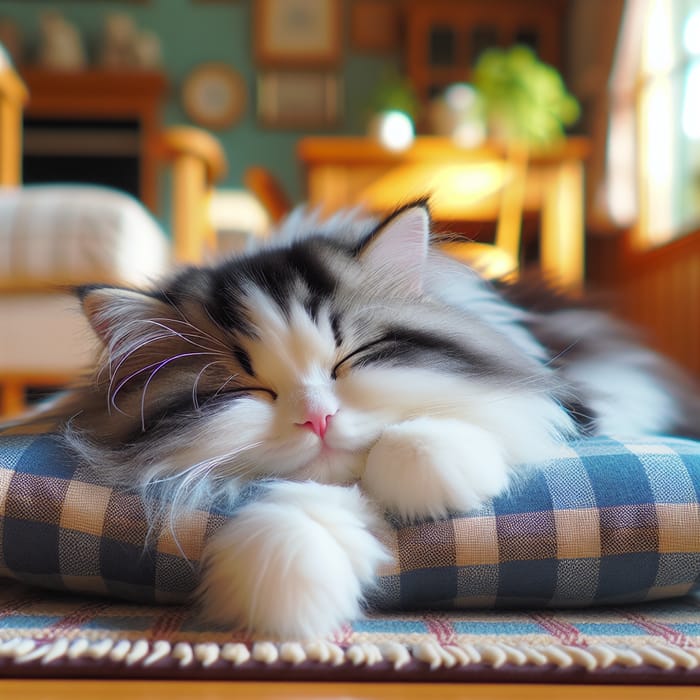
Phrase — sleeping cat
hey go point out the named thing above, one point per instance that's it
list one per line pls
(366, 372)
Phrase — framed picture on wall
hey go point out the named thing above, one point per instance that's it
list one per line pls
(214, 95)
(299, 99)
(299, 33)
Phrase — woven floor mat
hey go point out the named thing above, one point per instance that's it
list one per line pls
(46, 634)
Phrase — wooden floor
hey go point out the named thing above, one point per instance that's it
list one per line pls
(215, 690)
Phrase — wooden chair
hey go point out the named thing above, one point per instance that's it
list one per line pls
(269, 191)
(30, 305)
(488, 188)
(488, 183)
(482, 186)
(13, 96)
(198, 162)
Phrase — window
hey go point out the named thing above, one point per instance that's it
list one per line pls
(654, 139)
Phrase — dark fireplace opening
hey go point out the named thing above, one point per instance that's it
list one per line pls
(103, 152)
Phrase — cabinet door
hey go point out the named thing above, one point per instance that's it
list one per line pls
(445, 38)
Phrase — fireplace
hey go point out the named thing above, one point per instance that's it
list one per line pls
(94, 126)
(104, 152)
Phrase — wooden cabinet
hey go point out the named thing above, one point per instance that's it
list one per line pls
(95, 126)
(445, 37)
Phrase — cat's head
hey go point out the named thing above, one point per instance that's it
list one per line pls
(289, 361)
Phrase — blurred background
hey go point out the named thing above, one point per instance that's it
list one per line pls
(565, 132)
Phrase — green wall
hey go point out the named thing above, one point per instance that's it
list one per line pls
(193, 32)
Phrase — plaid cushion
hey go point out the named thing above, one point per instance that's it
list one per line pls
(604, 522)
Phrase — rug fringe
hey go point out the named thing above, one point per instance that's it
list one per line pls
(495, 655)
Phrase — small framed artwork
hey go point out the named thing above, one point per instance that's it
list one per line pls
(374, 25)
(297, 33)
(299, 99)
(214, 95)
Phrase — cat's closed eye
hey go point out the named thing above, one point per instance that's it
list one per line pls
(246, 364)
(245, 390)
(342, 364)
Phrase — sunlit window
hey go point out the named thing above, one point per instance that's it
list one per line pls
(654, 139)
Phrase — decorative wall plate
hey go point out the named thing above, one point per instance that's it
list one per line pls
(214, 95)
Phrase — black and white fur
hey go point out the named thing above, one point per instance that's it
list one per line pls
(429, 385)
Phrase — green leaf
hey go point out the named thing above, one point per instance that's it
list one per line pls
(524, 98)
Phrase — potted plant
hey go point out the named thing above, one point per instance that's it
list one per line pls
(526, 100)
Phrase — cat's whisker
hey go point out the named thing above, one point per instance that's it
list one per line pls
(160, 366)
(195, 384)
(113, 394)
(242, 470)
(224, 385)
(193, 484)
(187, 337)
(183, 319)
(111, 349)
(126, 353)
(198, 331)
(214, 461)
(562, 353)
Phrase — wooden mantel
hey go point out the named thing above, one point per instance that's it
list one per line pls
(104, 94)
(346, 171)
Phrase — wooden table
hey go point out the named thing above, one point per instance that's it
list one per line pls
(345, 171)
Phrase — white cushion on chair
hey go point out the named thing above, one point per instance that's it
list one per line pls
(44, 335)
(53, 235)
(74, 234)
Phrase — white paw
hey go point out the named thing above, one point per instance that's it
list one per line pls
(426, 467)
(294, 563)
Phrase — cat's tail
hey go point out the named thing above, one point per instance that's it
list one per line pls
(686, 389)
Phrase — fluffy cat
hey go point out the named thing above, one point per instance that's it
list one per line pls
(365, 371)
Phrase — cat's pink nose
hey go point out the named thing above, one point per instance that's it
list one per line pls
(318, 423)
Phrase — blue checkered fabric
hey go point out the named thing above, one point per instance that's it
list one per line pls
(604, 522)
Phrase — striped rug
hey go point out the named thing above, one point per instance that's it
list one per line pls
(58, 635)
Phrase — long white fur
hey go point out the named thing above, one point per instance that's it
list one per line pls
(296, 564)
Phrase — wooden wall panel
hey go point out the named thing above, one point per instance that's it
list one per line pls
(660, 291)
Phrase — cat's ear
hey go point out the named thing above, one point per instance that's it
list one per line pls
(110, 310)
(398, 248)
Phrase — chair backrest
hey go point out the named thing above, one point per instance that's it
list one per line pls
(477, 185)
(198, 163)
(512, 203)
(484, 185)
(13, 96)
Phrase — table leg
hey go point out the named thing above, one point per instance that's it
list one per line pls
(562, 242)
